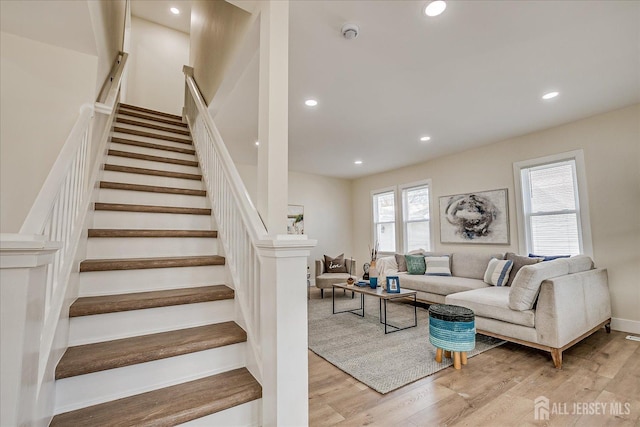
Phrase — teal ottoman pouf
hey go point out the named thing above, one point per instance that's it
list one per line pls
(452, 328)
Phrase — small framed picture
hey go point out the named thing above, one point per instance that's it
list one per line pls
(393, 284)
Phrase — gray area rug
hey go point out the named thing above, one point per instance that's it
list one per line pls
(359, 347)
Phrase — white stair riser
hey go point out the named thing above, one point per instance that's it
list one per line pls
(107, 195)
(151, 151)
(98, 387)
(148, 164)
(160, 181)
(245, 415)
(152, 122)
(125, 324)
(95, 283)
(150, 221)
(123, 109)
(149, 247)
(151, 140)
(154, 131)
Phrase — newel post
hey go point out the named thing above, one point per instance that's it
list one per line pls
(283, 324)
(23, 279)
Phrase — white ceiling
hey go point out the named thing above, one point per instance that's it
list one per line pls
(158, 11)
(472, 76)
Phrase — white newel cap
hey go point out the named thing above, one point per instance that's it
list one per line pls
(26, 250)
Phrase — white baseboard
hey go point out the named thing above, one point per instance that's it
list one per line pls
(625, 325)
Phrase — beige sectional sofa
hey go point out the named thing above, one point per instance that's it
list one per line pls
(550, 305)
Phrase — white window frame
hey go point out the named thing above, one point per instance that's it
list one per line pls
(401, 189)
(400, 224)
(582, 208)
(374, 236)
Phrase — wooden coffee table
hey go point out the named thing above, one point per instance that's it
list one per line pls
(383, 297)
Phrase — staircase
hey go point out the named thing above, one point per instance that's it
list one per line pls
(152, 338)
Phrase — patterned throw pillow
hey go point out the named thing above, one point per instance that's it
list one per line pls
(335, 265)
(497, 272)
(415, 264)
(437, 266)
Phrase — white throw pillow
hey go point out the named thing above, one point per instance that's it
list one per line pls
(497, 273)
(437, 266)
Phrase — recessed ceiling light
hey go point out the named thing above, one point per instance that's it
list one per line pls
(357, 162)
(310, 102)
(425, 138)
(435, 8)
(257, 143)
(175, 10)
(550, 95)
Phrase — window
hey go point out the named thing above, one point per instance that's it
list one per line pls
(384, 220)
(415, 221)
(407, 225)
(552, 207)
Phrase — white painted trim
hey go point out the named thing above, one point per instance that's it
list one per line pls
(401, 188)
(625, 325)
(583, 196)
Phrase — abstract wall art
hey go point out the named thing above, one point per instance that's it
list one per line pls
(295, 219)
(481, 217)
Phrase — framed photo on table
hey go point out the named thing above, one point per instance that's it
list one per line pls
(393, 284)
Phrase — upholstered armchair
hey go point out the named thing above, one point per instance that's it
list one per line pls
(326, 280)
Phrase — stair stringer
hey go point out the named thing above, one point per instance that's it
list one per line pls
(59, 333)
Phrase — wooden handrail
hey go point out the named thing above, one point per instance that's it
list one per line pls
(114, 80)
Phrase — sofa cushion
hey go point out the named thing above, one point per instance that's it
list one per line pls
(518, 263)
(415, 264)
(493, 303)
(437, 266)
(441, 285)
(497, 272)
(402, 263)
(471, 265)
(579, 263)
(526, 286)
(326, 280)
(335, 265)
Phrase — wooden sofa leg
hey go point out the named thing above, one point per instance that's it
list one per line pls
(607, 327)
(556, 355)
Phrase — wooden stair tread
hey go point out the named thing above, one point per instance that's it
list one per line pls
(140, 115)
(87, 306)
(151, 135)
(147, 110)
(170, 405)
(152, 145)
(145, 263)
(151, 209)
(152, 126)
(88, 358)
(139, 232)
(151, 188)
(154, 172)
(150, 158)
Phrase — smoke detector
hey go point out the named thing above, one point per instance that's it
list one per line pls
(350, 31)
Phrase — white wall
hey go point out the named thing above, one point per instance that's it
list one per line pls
(327, 211)
(43, 87)
(611, 144)
(155, 78)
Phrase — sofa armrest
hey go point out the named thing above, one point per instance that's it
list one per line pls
(571, 305)
(319, 267)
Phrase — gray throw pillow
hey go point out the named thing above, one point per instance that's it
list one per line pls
(335, 265)
(415, 264)
(402, 263)
(518, 263)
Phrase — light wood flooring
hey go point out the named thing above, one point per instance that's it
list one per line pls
(496, 388)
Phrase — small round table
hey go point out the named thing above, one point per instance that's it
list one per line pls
(452, 329)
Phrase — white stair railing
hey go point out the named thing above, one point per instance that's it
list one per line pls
(59, 211)
(239, 226)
